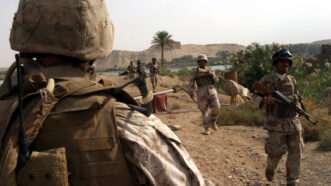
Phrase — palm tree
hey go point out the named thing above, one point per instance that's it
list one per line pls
(163, 40)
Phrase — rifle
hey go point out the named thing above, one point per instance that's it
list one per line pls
(172, 90)
(23, 147)
(284, 99)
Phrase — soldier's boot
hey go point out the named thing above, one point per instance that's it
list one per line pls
(214, 126)
(206, 131)
(293, 183)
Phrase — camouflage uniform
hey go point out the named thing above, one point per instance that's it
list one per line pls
(131, 70)
(203, 81)
(284, 129)
(79, 132)
(153, 71)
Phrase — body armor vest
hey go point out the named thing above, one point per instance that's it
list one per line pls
(203, 78)
(83, 124)
(288, 88)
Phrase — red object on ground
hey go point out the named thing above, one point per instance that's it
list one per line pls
(160, 103)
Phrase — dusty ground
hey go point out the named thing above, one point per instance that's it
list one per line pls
(234, 155)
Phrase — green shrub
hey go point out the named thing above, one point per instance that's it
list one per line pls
(325, 143)
(245, 114)
(184, 74)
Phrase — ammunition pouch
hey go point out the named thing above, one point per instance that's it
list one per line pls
(285, 111)
(45, 168)
(204, 80)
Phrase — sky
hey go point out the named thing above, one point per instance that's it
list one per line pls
(203, 22)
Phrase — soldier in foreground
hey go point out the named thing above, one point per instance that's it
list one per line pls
(76, 131)
(203, 84)
(282, 122)
(154, 71)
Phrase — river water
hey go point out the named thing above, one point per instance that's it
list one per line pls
(176, 69)
(214, 67)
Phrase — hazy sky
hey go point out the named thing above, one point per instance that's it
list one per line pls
(203, 21)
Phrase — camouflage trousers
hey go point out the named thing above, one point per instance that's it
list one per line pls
(209, 105)
(154, 81)
(277, 144)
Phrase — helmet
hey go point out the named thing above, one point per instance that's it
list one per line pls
(202, 57)
(79, 29)
(283, 54)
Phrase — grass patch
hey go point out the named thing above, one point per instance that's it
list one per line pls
(249, 114)
(246, 114)
(325, 143)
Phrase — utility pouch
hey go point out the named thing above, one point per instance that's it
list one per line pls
(48, 168)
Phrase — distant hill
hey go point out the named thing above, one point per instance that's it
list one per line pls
(323, 42)
(121, 58)
(3, 69)
(309, 49)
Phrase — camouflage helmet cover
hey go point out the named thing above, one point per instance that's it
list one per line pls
(80, 29)
(282, 54)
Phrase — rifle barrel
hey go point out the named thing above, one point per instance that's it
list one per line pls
(157, 93)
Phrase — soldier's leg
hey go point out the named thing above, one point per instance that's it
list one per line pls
(214, 108)
(153, 82)
(156, 80)
(295, 147)
(275, 147)
(203, 107)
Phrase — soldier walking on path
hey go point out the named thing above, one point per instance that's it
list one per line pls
(154, 71)
(282, 122)
(202, 84)
(60, 127)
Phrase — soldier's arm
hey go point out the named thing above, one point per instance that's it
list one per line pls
(263, 88)
(214, 76)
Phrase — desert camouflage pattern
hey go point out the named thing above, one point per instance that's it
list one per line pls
(284, 129)
(45, 166)
(102, 139)
(153, 72)
(155, 150)
(77, 28)
(202, 82)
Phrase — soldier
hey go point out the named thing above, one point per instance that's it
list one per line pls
(154, 71)
(141, 69)
(282, 122)
(131, 70)
(77, 131)
(203, 83)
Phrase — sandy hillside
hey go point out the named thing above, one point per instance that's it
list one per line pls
(121, 58)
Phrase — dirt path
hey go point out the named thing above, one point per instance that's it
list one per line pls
(234, 155)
